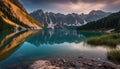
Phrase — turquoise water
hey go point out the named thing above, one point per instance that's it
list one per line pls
(17, 47)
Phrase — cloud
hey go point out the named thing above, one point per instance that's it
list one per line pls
(79, 7)
(69, 6)
(73, 1)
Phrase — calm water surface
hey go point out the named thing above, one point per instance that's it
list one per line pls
(17, 47)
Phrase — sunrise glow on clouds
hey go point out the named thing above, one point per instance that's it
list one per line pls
(78, 7)
(72, 6)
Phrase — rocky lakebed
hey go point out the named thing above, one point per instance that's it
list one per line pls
(70, 63)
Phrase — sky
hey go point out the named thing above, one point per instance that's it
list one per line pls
(71, 6)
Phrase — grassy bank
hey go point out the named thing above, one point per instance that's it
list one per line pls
(114, 56)
(109, 40)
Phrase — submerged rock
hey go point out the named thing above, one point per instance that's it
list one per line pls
(42, 64)
(71, 63)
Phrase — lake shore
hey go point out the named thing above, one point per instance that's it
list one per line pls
(73, 63)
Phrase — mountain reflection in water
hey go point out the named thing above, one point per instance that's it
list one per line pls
(17, 49)
(10, 42)
(50, 36)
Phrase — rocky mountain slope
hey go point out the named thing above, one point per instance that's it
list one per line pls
(69, 19)
(95, 15)
(13, 15)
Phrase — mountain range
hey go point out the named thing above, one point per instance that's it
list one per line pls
(58, 19)
(14, 16)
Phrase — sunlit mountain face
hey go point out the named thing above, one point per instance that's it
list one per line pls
(13, 15)
(71, 6)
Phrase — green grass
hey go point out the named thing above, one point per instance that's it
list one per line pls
(114, 56)
(109, 40)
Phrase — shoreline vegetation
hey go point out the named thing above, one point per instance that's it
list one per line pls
(107, 39)
(114, 56)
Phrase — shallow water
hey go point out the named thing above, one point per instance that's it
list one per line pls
(17, 47)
